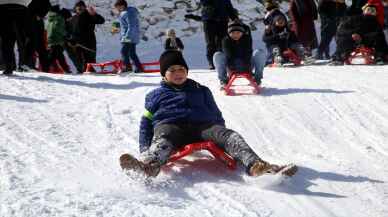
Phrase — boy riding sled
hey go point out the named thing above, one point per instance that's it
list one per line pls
(183, 111)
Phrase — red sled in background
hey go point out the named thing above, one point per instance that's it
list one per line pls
(116, 66)
(110, 67)
(290, 57)
(361, 56)
(250, 88)
(217, 152)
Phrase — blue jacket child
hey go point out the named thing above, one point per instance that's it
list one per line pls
(130, 27)
(183, 111)
(130, 35)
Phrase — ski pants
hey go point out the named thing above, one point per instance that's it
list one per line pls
(257, 61)
(128, 51)
(169, 137)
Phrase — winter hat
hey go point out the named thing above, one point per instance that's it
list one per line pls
(80, 4)
(170, 32)
(170, 58)
(269, 5)
(236, 25)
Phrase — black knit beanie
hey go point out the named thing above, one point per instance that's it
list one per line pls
(80, 4)
(170, 58)
(236, 26)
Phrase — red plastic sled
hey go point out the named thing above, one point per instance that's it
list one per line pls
(246, 75)
(365, 55)
(206, 145)
(115, 67)
(151, 67)
(291, 56)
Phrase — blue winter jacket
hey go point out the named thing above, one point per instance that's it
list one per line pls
(218, 10)
(193, 103)
(129, 25)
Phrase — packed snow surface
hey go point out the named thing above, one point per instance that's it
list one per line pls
(62, 135)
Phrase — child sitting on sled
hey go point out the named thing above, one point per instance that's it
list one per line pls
(361, 30)
(278, 37)
(183, 111)
(237, 54)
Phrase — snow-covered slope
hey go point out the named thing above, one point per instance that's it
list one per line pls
(61, 136)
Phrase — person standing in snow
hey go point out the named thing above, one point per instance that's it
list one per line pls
(13, 15)
(303, 13)
(331, 13)
(215, 17)
(172, 42)
(130, 35)
(237, 54)
(82, 36)
(56, 32)
(37, 11)
(183, 111)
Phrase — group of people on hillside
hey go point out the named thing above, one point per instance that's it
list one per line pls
(22, 22)
(228, 40)
(360, 24)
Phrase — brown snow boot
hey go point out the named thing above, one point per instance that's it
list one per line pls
(261, 167)
(128, 162)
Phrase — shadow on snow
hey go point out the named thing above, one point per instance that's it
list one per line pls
(21, 99)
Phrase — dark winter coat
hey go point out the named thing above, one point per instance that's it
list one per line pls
(362, 25)
(367, 27)
(170, 46)
(303, 13)
(193, 103)
(218, 10)
(279, 37)
(39, 7)
(238, 53)
(331, 8)
(82, 28)
(56, 29)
